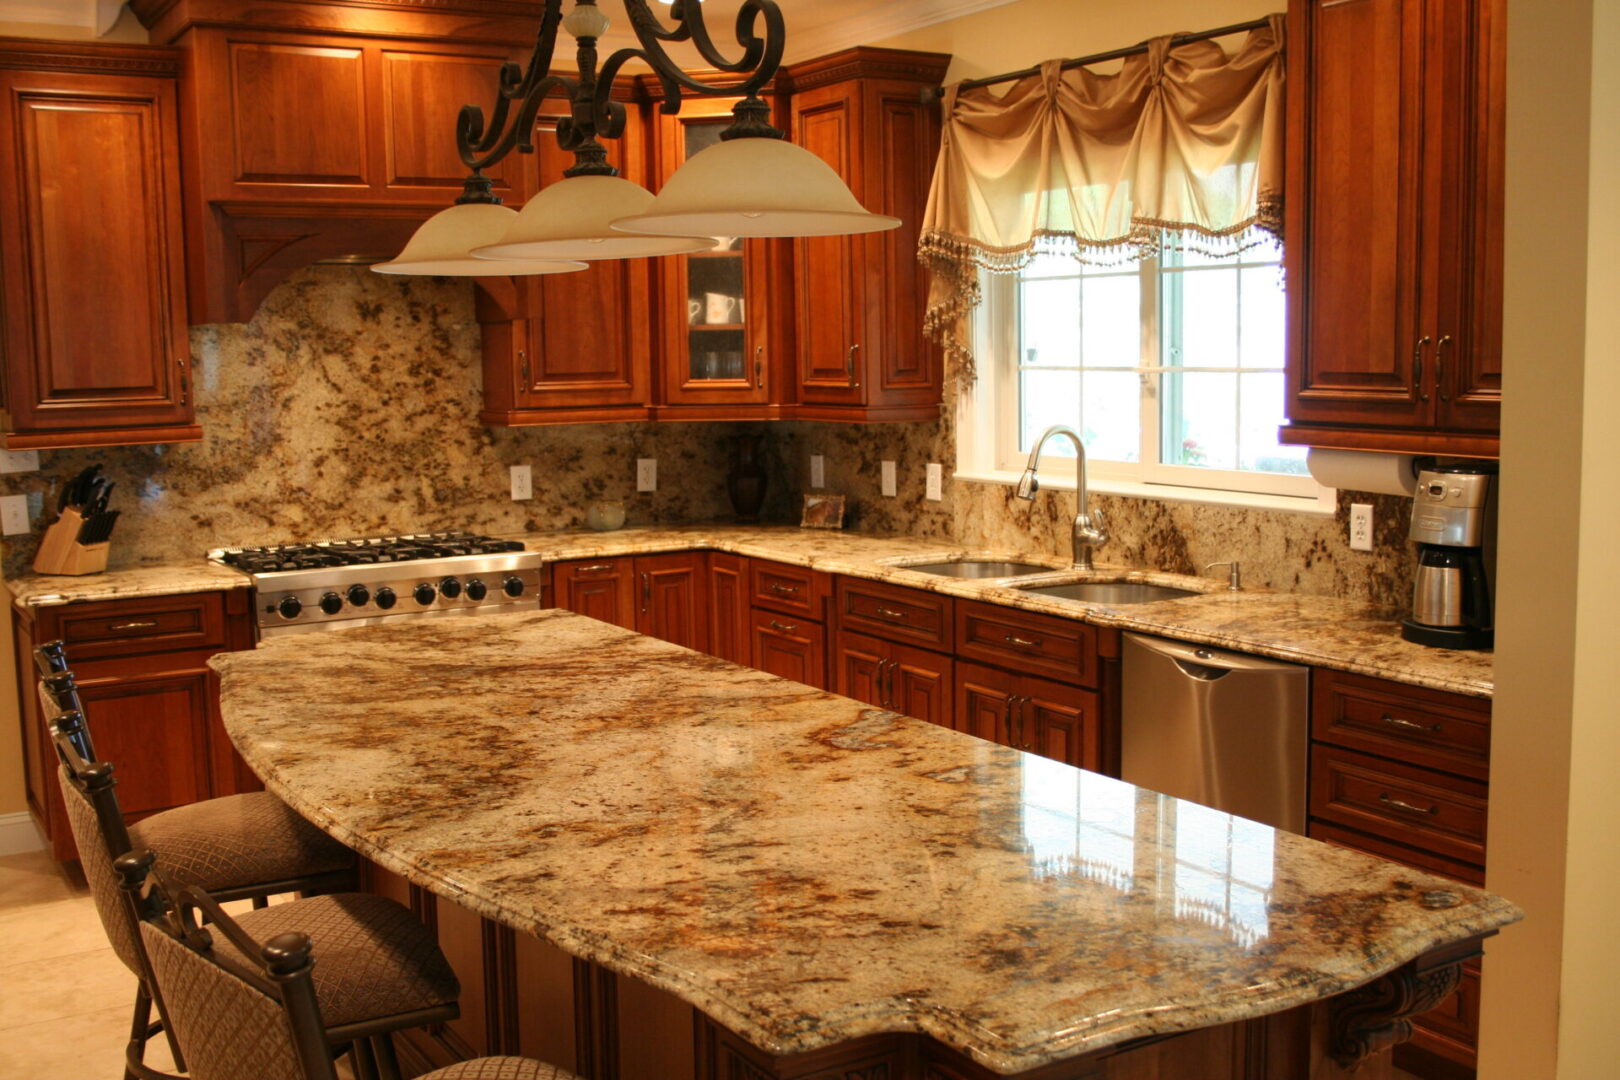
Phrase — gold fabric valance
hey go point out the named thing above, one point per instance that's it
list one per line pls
(1183, 146)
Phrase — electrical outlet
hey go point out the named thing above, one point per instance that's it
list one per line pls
(1361, 527)
(522, 483)
(14, 515)
(647, 474)
(889, 481)
(936, 481)
(19, 461)
(818, 471)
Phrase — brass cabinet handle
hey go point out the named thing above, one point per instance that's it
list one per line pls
(1417, 368)
(1007, 715)
(784, 627)
(646, 592)
(596, 567)
(786, 590)
(849, 366)
(1014, 639)
(185, 383)
(1402, 722)
(759, 367)
(132, 625)
(1023, 743)
(523, 358)
(1399, 805)
(1439, 374)
(889, 613)
(888, 683)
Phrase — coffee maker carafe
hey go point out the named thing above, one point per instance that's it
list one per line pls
(1451, 601)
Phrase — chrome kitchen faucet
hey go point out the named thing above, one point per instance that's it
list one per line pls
(1088, 524)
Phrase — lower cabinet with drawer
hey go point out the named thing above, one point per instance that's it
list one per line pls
(662, 596)
(790, 646)
(151, 702)
(890, 675)
(1400, 772)
(1026, 712)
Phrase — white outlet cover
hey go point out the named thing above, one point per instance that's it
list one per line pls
(14, 461)
(818, 471)
(1361, 527)
(890, 482)
(936, 481)
(522, 483)
(14, 515)
(646, 474)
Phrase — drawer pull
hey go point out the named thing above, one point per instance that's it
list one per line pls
(784, 627)
(145, 625)
(1399, 805)
(889, 613)
(1401, 722)
(1014, 639)
(785, 590)
(595, 568)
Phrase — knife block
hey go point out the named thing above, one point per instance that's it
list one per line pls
(61, 553)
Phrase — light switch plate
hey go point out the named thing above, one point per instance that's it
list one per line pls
(818, 471)
(19, 461)
(889, 481)
(647, 474)
(1361, 527)
(936, 481)
(522, 483)
(14, 515)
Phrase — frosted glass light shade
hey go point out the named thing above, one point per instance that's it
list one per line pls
(439, 248)
(569, 220)
(755, 187)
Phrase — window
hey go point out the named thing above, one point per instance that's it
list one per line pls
(1171, 369)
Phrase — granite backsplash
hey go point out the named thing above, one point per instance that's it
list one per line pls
(349, 406)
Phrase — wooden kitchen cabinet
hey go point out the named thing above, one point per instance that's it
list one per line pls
(861, 354)
(92, 276)
(601, 589)
(1394, 224)
(891, 675)
(1025, 712)
(730, 619)
(662, 596)
(570, 348)
(793, 648)
(151, 702)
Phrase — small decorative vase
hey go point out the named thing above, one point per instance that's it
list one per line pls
(745, 483)
(605, 516)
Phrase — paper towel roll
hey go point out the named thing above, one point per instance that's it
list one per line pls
(1360, 470)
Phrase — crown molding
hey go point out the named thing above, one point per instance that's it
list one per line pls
(879, 22)
(90, 58)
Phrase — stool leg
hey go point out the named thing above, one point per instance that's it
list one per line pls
(138, 1025)
(260, 902)
(365, 1063)
(387, 1060)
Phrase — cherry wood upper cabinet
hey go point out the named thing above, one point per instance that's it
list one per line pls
(95, 334)
(861, 351)
(570, 348)
(1393, 230)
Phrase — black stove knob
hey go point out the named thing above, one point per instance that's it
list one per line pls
(290, 606)
(386, 598)
(450, 587)
(476, 590)
(359, 595)
(424, 593)
(513, 586)
(331, 603)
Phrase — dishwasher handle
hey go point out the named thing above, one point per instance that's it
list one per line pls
(1203, 662)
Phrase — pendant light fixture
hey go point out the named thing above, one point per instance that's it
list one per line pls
(440, 246)
(754, 183)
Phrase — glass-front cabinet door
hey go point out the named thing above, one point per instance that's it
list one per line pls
(716, 354)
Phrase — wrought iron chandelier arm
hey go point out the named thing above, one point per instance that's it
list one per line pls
(482, 149)
(761, 55)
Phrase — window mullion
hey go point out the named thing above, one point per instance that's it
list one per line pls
(1152, 382)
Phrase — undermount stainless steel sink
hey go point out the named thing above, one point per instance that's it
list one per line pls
(980, 568)
(1112, 592)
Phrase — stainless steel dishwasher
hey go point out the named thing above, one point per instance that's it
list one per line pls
(1214, 727)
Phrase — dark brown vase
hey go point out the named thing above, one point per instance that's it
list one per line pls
(745, 483)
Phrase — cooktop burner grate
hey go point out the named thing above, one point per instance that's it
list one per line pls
(367, 551)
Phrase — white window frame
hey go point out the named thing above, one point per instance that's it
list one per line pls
(988, 425)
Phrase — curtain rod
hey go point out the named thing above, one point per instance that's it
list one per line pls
(1097, 58)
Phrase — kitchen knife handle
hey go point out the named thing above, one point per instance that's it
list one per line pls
(759, 366)
(185, 383)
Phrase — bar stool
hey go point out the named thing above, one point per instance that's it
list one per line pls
(383, 973)
(250, 1009)
(248, 846)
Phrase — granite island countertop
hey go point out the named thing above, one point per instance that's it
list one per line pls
(803, 868)
(1314, 630)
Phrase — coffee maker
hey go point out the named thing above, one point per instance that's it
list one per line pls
(1451, 603)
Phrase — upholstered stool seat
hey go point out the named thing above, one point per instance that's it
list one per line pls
(500, 1068)
(377, 959)
(238, 842)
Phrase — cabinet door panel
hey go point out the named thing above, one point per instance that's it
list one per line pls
(670, 596)
(1353, 211)
(299, 114)
(983, 697)
(857, 661)
(830, 321)
(906, 364)
(95, 330)
(729, 621)
(1061, 723)
(601, 589)
(921, 685)
(154, 729)
(423, 93)
(792, 648)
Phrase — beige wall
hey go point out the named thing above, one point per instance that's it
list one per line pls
(1023, 34)
(1551, 994)
(126, 30)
